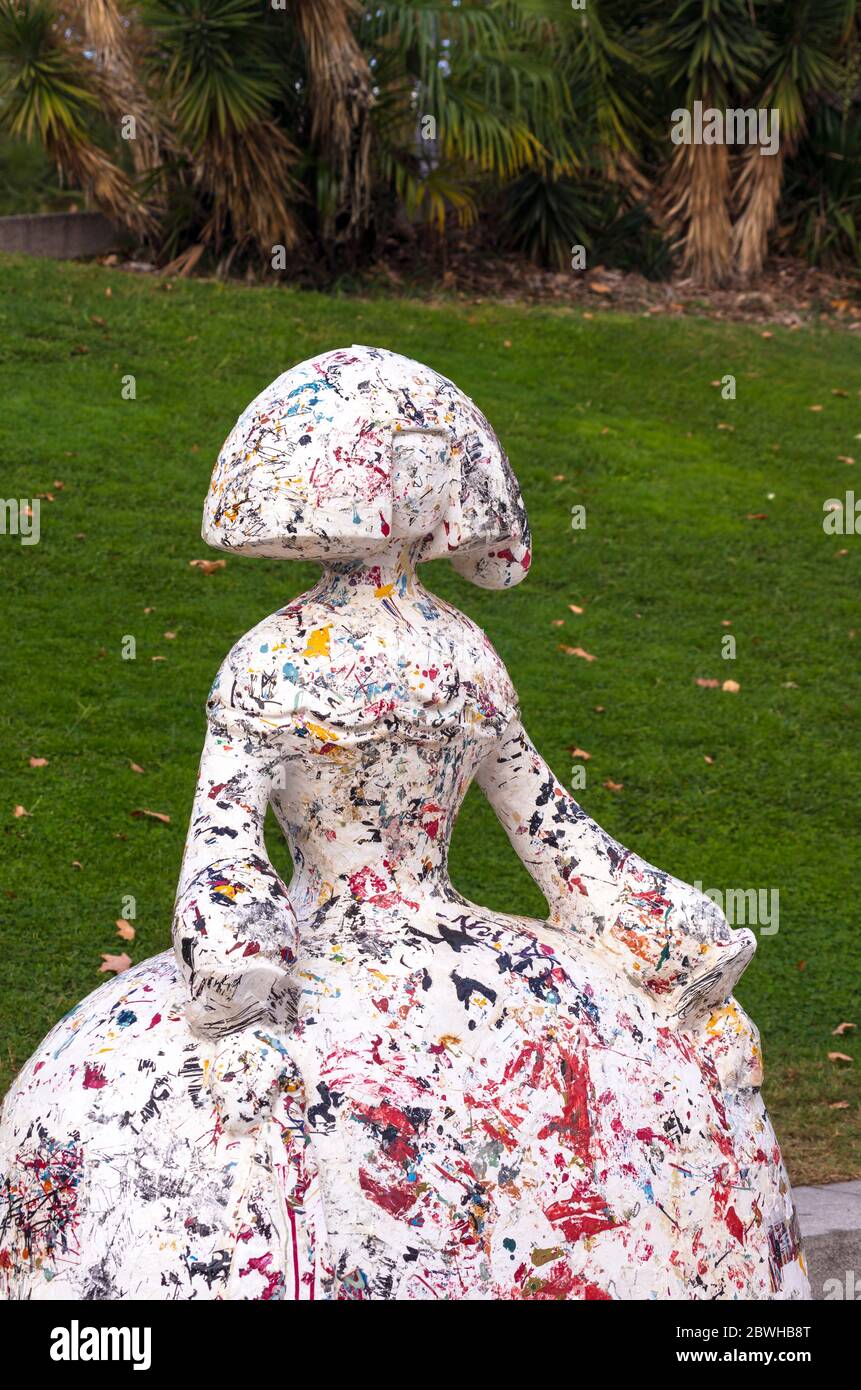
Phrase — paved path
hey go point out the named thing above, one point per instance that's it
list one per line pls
(830, 1219)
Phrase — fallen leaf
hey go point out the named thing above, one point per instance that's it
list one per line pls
(838, 391)
(558, 622)
(19, 811)
(170, 636)
(98, 320)
(158, 658)
(149, 610)
(506, 342)
(839, 1105)
(76, 864)
(841, 1029)
(838, 1057)
(801, 965)
(125, 929)
(135, 767)
(814, 407)
(153, 815)
(706, 683)
(599, 709)
(613, 786)
(766, 334)
(580, 753)
(38, 762)
(726, 622)
(757, 516)
(575, 609)
(732, 686)
(578, 651)
(708, 759)
(845, 458)
(208, 566)
(559, 477)
(598, 287)
(116, 963)
(726, 427)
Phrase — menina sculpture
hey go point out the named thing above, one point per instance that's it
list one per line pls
(365, 1086)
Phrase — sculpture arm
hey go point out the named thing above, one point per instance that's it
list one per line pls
(669, 938)
(234, 931)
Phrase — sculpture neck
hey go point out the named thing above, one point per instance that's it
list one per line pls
(392, 575)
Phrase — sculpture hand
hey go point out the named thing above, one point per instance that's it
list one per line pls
(244, 1077)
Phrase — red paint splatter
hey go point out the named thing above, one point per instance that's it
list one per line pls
(258, 1265)
(582, 1214)
(396, 1200)
(734, 1226)
(94, 1077)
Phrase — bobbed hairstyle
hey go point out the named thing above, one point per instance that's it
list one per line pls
(306, 471)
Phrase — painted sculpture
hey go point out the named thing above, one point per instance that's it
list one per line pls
(363, 1086)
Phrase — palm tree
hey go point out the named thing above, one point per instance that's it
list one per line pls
(49, 92)
(804, 40)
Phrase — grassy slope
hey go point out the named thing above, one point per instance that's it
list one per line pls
(624, 409)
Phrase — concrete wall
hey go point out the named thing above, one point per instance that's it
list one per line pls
(62, 235)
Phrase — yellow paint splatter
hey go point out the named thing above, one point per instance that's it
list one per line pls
(321, 732)
(318, 642)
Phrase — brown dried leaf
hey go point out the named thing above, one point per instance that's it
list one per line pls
(841, 1029)
(153, 815)
(580, 753)
(38, 762)
(613, 786)
(125, 929)
(116, 963)
(578, 651)
(732, 687)
(838, 1057)
(136, 767)
(19, 811)
(575, 608)
(706, 683)
(208, 566)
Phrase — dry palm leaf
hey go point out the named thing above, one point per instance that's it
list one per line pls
(340, 96)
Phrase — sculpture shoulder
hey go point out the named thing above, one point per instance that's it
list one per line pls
(309, 667)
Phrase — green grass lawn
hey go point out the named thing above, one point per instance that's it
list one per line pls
(615, 413)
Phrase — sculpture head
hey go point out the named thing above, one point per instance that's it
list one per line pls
(356, 452)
